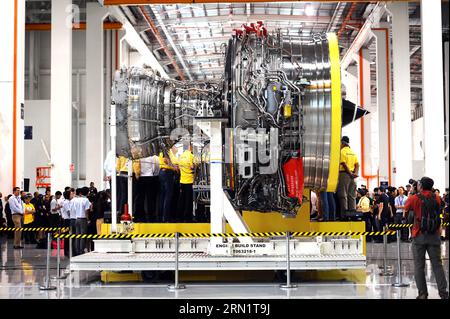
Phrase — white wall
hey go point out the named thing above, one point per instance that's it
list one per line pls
(78, 88)
(37, 115)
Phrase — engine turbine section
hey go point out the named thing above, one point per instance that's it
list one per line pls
(152, 112)
(279, 90)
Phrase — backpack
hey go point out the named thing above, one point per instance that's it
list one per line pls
(431, 220)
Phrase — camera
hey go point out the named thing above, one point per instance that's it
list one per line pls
(413, 183)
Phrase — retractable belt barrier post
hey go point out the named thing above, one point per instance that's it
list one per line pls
(70, 243)
(288, 284)
(47, 275)
(176, 286)
(399, 282)
(58, 260)
(70, 252)
(385, 271)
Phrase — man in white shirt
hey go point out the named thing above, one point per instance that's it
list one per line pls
(147, 188)
(56, 206)
(82, 206)
(16, 206)
(73, 215)
(65, 214)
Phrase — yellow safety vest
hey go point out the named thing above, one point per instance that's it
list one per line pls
(28, 214)
(185, 164)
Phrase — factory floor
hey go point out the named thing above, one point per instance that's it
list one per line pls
(23, 271)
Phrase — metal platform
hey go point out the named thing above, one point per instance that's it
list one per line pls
(96, 261)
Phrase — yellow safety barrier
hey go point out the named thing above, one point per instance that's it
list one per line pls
(410, 225)
(34, 229)
(227, 235)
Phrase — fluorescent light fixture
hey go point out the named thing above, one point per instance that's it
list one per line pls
(309, 10)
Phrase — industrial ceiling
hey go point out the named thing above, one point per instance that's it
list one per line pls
(187, 38)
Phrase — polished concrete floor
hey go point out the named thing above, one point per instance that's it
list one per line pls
(23, 271)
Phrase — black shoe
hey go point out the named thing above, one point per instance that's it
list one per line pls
(444, 295)
(422, 296)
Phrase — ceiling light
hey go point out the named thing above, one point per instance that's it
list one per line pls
(309, 10)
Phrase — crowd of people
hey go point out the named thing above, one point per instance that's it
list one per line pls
(417, 204)
(163, 192)
(80, 210)
(384, 205)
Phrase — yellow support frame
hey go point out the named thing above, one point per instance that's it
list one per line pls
(336, 112)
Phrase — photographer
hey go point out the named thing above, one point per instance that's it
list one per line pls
(413, 189)
(426, 238)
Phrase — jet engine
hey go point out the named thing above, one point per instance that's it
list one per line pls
(280, 97)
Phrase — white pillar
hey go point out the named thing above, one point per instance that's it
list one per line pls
(433, 91)
(215, 147)
(401, 93)
(31, 67)
(12, 86)
(112, 127)
(94, 93)
(61, 95)
(383, 101)
(108, 82)
(447, 107)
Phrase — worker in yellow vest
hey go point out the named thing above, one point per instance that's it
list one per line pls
(348, 171)
(28, 219)
(167, 172)
(187, 169)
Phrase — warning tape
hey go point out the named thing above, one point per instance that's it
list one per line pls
(114, 236)
(225, 235)
(410, 225)
(207, 235)
(34, 228)
(349, 233)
